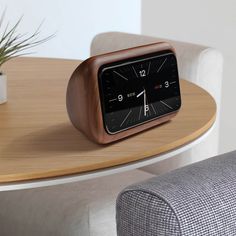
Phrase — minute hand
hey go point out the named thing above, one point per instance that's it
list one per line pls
(145, 101)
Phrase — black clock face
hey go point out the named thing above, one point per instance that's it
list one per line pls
(138, 90)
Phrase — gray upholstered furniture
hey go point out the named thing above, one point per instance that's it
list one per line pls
(199, 199)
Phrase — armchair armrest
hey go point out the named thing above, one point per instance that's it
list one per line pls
(195, 200)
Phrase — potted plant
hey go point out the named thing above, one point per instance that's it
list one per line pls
(12, 45)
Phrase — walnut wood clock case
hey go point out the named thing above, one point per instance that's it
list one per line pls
(118, 94)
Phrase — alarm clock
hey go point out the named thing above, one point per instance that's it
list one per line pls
(118, 94)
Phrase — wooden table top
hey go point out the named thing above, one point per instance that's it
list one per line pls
(38, 141)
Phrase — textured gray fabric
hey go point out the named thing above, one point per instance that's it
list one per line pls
(199, 199)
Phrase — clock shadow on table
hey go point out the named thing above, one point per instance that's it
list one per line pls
(66, 138)
(62, 138)
(59, 139)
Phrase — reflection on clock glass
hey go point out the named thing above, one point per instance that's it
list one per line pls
(138, 90)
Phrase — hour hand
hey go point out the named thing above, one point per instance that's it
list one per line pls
(140, 94)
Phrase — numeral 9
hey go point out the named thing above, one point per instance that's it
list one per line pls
(120, 98)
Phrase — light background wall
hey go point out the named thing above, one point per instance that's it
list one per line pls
(76, 22)
(207, 22)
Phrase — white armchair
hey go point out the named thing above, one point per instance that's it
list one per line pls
(199, 64)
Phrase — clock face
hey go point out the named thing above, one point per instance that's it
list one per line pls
(138, 90)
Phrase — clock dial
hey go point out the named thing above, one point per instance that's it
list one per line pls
(138, 90)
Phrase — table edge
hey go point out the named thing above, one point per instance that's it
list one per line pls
(38, 183)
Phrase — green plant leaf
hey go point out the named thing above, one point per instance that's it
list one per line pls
(13, 44)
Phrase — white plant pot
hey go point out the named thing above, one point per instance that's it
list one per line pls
(3, 88)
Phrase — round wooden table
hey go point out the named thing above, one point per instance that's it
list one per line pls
(40, 147)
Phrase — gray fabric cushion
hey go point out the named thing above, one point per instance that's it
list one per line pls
(199, 199)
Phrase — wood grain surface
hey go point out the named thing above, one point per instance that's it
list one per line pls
(38, 141)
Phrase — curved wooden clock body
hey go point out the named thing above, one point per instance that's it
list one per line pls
(83, 98)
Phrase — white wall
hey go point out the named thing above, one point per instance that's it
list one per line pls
(76, 22)
(207, 22)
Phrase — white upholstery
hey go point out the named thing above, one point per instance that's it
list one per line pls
(84, 208)
(199, 64)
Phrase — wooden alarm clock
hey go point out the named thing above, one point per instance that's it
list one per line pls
(118, 94)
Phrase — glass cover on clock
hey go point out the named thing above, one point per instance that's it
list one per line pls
(138, 90)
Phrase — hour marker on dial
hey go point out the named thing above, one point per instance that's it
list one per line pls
(154, 109)
(161, 65)
(140, 110)
(167, 105)
(125, 118)
(146, 109)
(120, 98)
(120, 75)
(142, 73)
(135, 72)
(112, 100)
(149, 65)
(167, 84)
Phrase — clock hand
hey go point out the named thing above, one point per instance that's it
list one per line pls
(146, 106)
(145, 112)
(140, 94)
